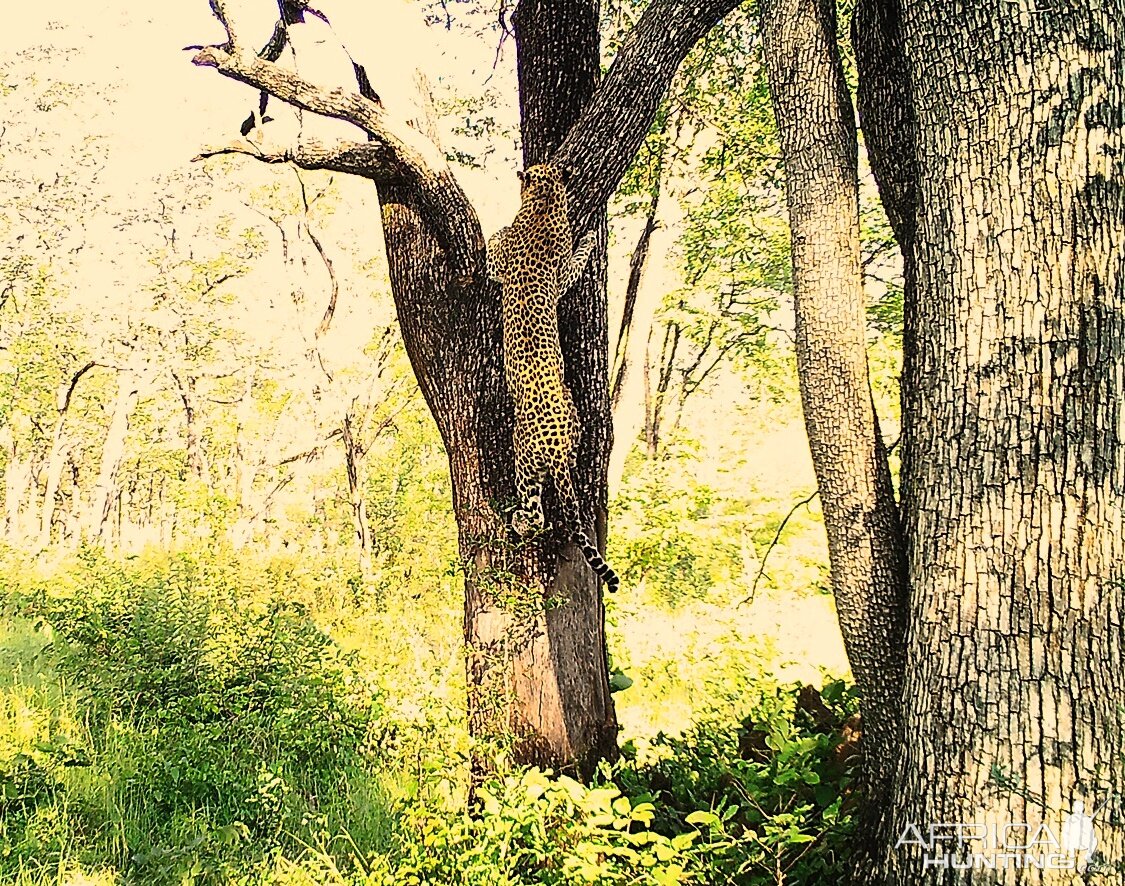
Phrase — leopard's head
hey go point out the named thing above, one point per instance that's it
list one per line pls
(541, 182)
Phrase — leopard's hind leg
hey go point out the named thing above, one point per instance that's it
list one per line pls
(527, 518)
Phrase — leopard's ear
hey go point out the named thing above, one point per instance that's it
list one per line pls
(520, 175)
(564, 174)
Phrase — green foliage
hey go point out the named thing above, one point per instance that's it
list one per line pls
(768, 799)
(186, 719)
(759, 804)
(662, 515)
(533, 827)
(214, 724)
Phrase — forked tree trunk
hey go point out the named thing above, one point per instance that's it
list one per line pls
(818, 141)
(1013, 480)
(533, 615)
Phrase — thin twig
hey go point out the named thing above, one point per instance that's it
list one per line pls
(773, 544)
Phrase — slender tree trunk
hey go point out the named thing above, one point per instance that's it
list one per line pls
(18, 485)
(657, 380)
(1013, 482)
(113, 451)
(353, 464)
(626, 395)
(818, 141)
(638, 262)
(56, 460)
(196, 454)
(245, 467)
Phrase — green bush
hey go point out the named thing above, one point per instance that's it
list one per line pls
(535, 828)
(761, 803)
(215, 718)
(769, 798)
(185, 720)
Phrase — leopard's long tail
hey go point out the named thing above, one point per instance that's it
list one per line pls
(565, 488)
(602, 569)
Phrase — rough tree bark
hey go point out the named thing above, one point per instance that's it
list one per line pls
(818, 140)
(1013, 484)
(533, 617)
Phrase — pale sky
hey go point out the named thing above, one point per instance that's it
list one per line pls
(165, 109)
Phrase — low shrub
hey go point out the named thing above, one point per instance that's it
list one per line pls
(216, 719)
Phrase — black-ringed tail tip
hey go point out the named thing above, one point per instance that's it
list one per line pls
(602, 569)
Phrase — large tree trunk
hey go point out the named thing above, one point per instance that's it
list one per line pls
(1013, 478)
(818, 141)
(533, 615)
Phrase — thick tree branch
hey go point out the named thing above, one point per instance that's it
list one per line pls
(371, 160)
(413, 149)
(602, 144)
(409, 155)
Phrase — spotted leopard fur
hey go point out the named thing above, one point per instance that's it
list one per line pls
(532, 260)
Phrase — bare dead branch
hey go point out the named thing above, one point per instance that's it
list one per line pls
(415, 160)
(308, 455)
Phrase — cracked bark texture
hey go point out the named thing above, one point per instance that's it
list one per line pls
(1014, 469)
(818, 140)
(534, 624)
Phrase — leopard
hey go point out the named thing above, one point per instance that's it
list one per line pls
(533, 262)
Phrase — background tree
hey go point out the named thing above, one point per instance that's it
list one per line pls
(818, 139)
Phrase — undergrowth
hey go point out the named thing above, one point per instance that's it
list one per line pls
(196, 720)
